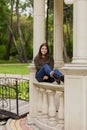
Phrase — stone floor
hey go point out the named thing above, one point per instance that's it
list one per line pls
(17, 124)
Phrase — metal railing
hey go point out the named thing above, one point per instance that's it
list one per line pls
(14, 94)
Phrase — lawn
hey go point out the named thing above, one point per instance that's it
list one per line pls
(14, 69)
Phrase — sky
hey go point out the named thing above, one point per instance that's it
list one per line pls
(28, 10)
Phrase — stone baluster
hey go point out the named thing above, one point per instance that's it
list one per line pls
(44, 104)
(61, 109)
(40, 96)
(52, 108)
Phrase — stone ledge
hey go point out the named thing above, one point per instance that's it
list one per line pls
(45, 126)
(8, 124)
(52, 86)
(75, 69)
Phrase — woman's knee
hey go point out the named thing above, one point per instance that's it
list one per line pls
(45, 66)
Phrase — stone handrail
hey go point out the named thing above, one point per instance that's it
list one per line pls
(46, 108)
(46, 103)
(51, 86)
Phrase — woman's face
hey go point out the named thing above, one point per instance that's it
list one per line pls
(43, 50)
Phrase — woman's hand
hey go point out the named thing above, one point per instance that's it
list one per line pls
(45, 77)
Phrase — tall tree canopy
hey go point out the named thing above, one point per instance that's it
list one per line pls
(8, 38)
(16, 29)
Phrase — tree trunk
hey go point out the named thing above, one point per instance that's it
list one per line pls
(9, 44)
(20, 32)
(68, 35)
(15, 42)
(66, 59)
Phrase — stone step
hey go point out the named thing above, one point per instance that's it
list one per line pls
(19, 124)
(2, 125)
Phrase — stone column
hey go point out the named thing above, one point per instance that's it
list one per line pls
(33, 96)
(75, 87)
(39, 38)
(39, 25)
(75, 97)
(80, 32)
(58, 33)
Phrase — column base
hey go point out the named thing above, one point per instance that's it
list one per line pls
(79, 60)
(58, 64)
(75, 97)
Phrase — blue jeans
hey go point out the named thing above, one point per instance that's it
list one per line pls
(45, 70)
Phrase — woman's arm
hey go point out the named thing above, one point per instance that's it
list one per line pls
(37, 65)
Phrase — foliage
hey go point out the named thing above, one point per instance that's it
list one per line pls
(26, 23)
(3, 21)
(50, 33)
(23, 90)
(2, 51)
(68, 29)
(27, 31)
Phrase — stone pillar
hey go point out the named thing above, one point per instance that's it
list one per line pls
(39, 25)
(33, 96)
(75, 97)
(75, 87)
(80, 31)
(58, 33)
(39, 38)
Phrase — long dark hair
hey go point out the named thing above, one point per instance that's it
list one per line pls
(39, 55)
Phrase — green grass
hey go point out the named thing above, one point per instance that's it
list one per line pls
(14, 69)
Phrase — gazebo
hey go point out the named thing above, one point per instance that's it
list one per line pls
(72, 111)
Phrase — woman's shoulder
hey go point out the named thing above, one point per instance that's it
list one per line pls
(36, 57)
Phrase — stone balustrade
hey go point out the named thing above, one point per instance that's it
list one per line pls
(49, 116)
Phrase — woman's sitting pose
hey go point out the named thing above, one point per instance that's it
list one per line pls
(44, 64)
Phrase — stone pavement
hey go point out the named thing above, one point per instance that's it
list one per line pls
(17, 124)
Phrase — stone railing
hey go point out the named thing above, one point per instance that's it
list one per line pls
(46, 109)
(49, 106)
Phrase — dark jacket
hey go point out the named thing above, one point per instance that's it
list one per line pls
(40, 62)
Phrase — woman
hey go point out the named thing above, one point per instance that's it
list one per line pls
(44, 64)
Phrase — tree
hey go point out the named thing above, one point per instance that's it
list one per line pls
(4, 12)
(9, 43)
(68, 31)
(11, 32)
(20, 32)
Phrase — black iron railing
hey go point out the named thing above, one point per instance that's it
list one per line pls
(14, 95)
